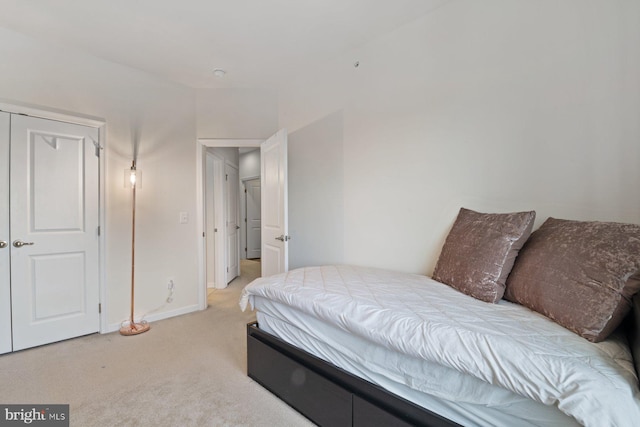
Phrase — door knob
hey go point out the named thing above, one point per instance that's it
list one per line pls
(283, 238)
(3, 244)
(20, 243)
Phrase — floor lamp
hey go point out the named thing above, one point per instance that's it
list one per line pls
(132, 178)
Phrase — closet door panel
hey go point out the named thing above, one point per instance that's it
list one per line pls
(5, 289)
(54, 231)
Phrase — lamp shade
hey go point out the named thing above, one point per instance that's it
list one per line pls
(132, 178)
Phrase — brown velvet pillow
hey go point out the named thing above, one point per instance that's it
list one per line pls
(480, 250)
(580, 274)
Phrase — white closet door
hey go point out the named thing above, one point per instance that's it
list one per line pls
(54, 231)
(5, 279)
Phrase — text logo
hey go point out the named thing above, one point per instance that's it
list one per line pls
(34, 415)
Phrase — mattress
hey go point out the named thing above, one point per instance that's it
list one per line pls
(519, 353)
(476, 403)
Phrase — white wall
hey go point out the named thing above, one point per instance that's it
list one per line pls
(237, 113)
(316, 193)
(250, 164)
(494, 105)
(229, 154)
(136, 107)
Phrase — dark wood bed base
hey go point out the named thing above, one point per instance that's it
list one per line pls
(330, 396)
(324, 393)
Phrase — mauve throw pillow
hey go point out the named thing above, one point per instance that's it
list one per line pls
(480, 250)
(580, 274)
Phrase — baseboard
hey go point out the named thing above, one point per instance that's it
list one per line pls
(113, 327)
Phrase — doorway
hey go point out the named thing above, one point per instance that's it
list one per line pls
(273, 175)
(215, 157)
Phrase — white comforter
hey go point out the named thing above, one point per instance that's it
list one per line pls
(503, 344)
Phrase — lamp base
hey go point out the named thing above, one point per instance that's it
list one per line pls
(135, 328)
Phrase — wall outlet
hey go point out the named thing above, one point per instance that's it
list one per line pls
(170, 286)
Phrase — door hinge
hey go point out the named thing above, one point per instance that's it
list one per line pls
(227, 269)
(98, 230)
(99, 308)
(226, 177)
(98, 147)
(203, 234)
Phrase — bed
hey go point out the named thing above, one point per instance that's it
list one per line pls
(350, 345)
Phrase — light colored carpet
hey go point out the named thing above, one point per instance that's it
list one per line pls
(186, 371)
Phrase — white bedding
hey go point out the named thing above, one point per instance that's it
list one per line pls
(503, 344)
(472, 402)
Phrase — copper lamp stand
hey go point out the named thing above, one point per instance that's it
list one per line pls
(133, 328)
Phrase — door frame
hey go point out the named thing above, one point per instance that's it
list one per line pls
(15, 107)
(201, 157)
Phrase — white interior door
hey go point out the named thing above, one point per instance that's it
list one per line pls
(220, 262)
(5, 278)
(54, 213)
(273, 170)
(210, 226)
(254, 228)
(233, 222)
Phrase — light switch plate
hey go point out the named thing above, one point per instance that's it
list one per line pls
(184, 217)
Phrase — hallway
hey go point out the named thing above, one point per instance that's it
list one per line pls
(249, 270)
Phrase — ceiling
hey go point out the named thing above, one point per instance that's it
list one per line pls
(260, 43)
